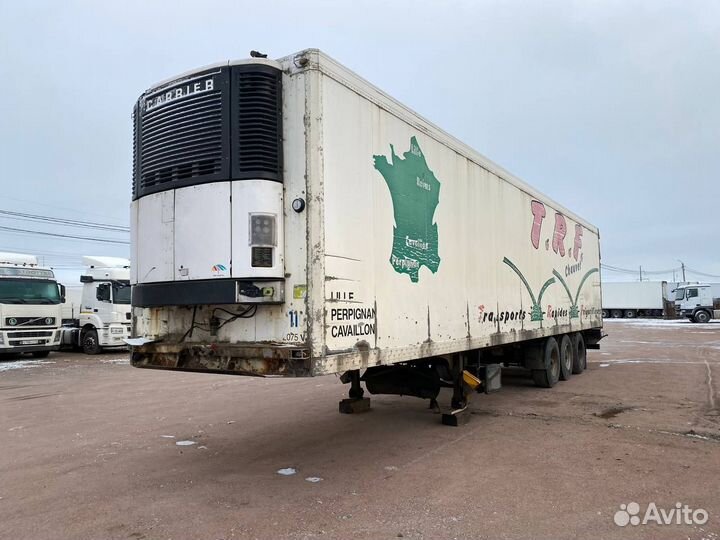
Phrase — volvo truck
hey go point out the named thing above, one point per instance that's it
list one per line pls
(289, 218)
(30, 306)
(103, 320)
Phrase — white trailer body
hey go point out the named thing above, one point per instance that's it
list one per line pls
(30, 306)
(634, 298)
(389, 240)
(71, 305)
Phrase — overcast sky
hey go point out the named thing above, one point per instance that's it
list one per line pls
(611, 108)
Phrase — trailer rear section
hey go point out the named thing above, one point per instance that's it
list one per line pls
(322, 227)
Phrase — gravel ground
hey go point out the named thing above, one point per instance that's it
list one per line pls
(91, 448)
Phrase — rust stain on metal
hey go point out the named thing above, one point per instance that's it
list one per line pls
(253, 360)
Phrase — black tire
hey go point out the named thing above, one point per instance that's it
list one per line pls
(579, 354)
(605, 314)
(41, 354)
(616, 314)
(548, 377)
(630, 313)
(566, 358)
(701, 316)
(90, 342)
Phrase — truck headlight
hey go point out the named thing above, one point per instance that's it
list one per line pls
(115, 330)
(12, 321)
(49, 320)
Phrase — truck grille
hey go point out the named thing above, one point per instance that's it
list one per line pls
(29, 321)
(23, 335)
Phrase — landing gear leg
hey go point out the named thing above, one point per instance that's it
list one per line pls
(459, 403)
(356, 403)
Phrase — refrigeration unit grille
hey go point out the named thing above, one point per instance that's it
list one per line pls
(211, 126)
(180, 141)
(257, 136)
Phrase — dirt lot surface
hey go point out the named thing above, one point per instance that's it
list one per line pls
(90, 448)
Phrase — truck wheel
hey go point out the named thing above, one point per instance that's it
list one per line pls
(616, 314)
(566, 358)
(548, 377)
(41, 354)
(701, 316)
(605, 313)
(630, 313)
(579, 354)
(90, 343)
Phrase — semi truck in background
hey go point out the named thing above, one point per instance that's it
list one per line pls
(697, 302)
(289, 218)
(630, 299)
(103, 319)
(30, 312)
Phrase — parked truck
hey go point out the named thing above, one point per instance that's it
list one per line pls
(30, 311)
(289, 218)
(697, 302)
(103, 320)
(630, 299)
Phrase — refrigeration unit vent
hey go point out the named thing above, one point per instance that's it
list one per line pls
(262, 257)
(257, 119)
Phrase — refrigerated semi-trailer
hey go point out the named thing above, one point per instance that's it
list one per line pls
(289, 218)
(630, 299)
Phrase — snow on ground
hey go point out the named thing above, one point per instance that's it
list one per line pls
(22, 364)
(675, 323)
(121, 360)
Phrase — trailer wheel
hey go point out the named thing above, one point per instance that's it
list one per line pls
(90, 343)
(605, 313)
(566, 358)
(548, 377)
(616, 313)
(579, 354)
(630, 313)
(41, 354)
(701, 316)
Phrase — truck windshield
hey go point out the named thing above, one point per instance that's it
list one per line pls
(679, 294)
(28, 291)
(121, 292)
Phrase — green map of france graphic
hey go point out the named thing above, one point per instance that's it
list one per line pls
(414, 191)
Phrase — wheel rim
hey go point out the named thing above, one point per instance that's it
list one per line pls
(567, 354)
(555, 363)
(89, 342)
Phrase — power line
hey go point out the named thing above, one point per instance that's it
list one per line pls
(64, 221)
(68, 236)
(700, 273)
(617, 269)
(56, 207)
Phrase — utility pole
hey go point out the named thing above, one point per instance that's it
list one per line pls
(682, 266)
(640, 272)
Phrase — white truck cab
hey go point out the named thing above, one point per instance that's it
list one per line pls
(104, 318)
(696, 302)
(30, 306)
